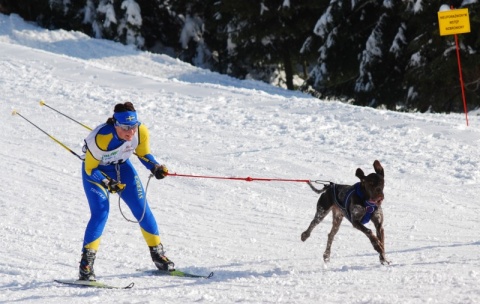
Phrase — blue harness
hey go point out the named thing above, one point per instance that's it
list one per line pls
(344, 204)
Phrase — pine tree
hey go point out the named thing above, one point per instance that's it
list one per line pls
(27, 9)
(263, 38)
(161, 26)
(432, 77)
(192, 15)
(390, 53)
(348, 31)
(177, 28)
(106, 20)
(377, 53)
(129, 27)
(383, 60)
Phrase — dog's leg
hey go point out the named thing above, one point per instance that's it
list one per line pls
(323, 208)
(319, 216)
(337, 220)
(377, 220)
(357, 214)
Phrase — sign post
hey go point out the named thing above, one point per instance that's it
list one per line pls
(453, 22)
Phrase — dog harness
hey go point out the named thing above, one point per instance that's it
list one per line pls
(343, 194)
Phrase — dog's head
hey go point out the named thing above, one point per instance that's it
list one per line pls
(373, 184)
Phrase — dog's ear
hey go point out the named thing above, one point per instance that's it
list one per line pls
(359, 173)
(378, 168)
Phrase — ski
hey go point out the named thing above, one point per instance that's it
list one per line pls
(94, 284)
(178, 273)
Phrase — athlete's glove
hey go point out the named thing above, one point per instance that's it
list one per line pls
(112, 185)
(159, 171)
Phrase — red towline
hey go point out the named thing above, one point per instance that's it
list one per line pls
(247, 179)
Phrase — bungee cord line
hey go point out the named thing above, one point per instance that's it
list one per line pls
(247, 179)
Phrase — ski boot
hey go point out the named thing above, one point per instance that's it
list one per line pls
(160, 260)
(86, 272)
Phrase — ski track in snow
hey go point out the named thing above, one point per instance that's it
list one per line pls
(248, 233)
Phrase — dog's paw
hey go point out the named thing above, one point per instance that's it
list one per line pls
(305, 236)
(326, 258)
(384, 261)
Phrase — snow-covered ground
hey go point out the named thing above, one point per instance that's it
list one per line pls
(248, 233)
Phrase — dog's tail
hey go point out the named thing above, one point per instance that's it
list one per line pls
(325, 187)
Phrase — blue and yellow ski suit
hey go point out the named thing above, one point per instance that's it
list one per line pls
(106, 153)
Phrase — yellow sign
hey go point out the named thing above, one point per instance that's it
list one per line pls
(454, 22)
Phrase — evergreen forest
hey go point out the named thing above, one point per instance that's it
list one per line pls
(377, 53)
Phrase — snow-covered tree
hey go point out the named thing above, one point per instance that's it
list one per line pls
(264, 38)
(106, 18)
(382, 60)
(371, 55)
(191, 39)
(343, 30)
(390, 53)
(130, 24)
(378, 53)
(432, 69)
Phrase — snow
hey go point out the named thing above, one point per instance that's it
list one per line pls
(399, 41)
(417, 7)
(467, 2)
(109, 11)
(371, 53)
(416, 59)
(325, 20)
(192, 30)
(248, 233)
(133, 12)
(263, 8)
(388, 3)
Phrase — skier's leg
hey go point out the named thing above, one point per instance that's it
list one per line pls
(98, 202)
(135, 198)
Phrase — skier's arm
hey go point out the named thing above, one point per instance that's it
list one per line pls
(147, 159)
(91, 165)
(143, 149)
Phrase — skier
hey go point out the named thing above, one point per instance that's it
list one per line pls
(107, 169)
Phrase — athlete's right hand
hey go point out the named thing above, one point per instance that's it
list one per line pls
(112, 185)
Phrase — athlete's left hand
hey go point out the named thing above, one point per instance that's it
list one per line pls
(159, 171)
(113, 186)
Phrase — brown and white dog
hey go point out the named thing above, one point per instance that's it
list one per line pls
(359, 203)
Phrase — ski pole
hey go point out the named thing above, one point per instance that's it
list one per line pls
(61, 144)
(53, 138)
(42, 103)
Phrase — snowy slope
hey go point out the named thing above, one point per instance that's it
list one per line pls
(248, 233)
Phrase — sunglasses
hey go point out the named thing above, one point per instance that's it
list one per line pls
(126, 127)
